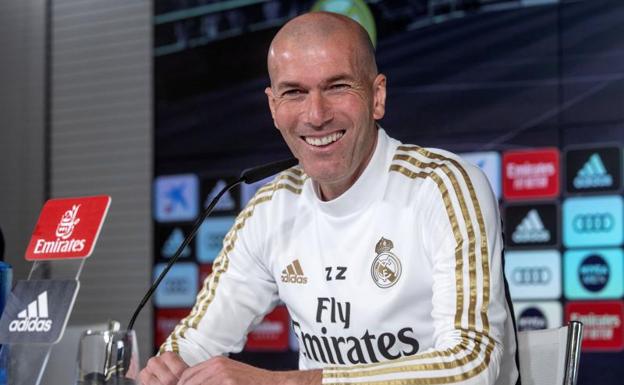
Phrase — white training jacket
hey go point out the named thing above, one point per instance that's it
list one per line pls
(398, 281)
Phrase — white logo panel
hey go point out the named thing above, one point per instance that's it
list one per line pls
(490, 163)
(533, 274)
(176, 198)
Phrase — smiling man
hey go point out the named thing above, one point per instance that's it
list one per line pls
(388, 256)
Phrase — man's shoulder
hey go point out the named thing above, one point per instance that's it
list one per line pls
(416, 161)
(283, 188)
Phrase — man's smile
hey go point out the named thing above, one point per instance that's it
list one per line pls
(322, 141)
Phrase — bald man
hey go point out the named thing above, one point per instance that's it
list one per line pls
(387, 256)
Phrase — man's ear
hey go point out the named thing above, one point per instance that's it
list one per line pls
(379, 96)
(271, 99)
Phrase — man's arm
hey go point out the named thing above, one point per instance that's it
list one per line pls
(222, 370)
(169, 369)
(234, 298)
(463, 237)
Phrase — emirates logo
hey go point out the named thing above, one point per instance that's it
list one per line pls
(68, 221)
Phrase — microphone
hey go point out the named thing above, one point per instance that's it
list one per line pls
(248, 176)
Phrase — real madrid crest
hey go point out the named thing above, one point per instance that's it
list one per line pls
(386, 268)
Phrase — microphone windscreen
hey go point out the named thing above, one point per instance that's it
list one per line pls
(256, 174)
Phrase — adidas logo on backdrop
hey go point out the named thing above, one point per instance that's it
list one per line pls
(293, 273)
(593, 174)
(34, 318)
(531, 229)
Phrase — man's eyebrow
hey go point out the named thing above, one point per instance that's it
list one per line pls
(333, 79)
(287, 84)
(338, 78)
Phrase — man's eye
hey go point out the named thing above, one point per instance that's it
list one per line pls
(339, 86)
(292, 93)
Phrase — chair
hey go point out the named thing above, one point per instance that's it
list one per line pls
(551, 356)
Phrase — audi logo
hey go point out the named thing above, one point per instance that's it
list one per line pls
(592, 223)
(531, 275)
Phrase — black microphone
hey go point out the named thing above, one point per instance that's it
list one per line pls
(248, 176)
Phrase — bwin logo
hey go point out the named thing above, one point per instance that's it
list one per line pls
(34, 317)
(593, 174)
(593, 223)
(531, 275)
(532, 319)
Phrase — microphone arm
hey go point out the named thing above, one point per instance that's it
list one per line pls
(248, 176)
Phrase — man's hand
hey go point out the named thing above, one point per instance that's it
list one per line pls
(165, 369)
(224, 371)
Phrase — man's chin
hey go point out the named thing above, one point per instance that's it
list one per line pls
(323, 175)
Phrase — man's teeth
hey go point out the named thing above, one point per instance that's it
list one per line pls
(325, 140)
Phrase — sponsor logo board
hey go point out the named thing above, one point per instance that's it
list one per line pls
(592, 274)
(166, 321)
(533, 274)
(602, 324)
(272, 333)
(37, 311)
(229, 202)
(538, 315)
(593, 221)
(176, 198)
(534, 225)
(68, 228)
(169, 238)
(179, 287)
(531, 174)
(490, 163)
(210, 237)
(593, 169)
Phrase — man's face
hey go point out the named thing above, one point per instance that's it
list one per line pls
(325, 106)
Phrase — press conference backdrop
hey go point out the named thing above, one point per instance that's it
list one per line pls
(531, 91)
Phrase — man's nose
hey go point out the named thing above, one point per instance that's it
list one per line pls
(318, 111)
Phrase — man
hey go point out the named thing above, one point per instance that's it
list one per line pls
(387, 256)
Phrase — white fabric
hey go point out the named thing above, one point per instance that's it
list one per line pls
(443, 320)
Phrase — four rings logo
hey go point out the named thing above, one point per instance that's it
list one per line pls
(535, 275)
(593, 223)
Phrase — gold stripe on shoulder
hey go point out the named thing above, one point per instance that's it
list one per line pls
(297, 170)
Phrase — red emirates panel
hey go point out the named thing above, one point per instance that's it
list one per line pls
(602, 324)
(204, 271)
(68, 228)
(531, 174)
(166, 321)
(271, 334)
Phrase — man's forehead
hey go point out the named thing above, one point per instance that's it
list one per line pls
(312, 66)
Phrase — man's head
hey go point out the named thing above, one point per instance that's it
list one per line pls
(325, 96)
